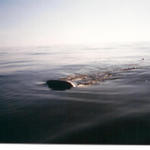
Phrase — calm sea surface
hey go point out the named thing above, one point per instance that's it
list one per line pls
(115, 111)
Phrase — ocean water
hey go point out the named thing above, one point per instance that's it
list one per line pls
(113, 111)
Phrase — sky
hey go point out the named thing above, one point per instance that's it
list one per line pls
(48, 22)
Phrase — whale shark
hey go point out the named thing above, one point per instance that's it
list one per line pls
(82, 80)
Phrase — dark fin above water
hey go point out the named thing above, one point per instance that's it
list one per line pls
(59, 85)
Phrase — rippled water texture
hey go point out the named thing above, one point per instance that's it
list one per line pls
(114, 111)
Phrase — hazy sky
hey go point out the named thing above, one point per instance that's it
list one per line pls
(46, 22)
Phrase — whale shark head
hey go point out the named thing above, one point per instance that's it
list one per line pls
(59, 85)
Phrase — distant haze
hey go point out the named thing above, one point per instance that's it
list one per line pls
(48, 22)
